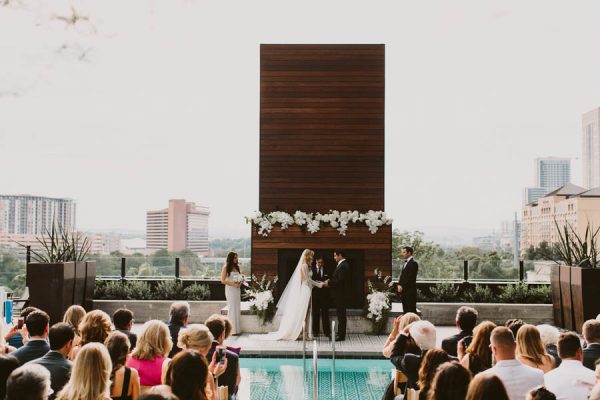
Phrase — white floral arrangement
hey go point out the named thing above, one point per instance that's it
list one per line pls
(339, 220)
(261, 298)
(379, 301)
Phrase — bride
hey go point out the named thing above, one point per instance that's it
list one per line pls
(294, 304)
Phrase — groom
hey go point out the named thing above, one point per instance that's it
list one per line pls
(340, 290)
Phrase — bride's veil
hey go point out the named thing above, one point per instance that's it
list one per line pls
(291, 293)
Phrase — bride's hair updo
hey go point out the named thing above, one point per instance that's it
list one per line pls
(308, 256)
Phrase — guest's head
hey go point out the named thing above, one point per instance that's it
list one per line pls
(514, 324)
(569, 347)
(466, 318)
(117, 344)
(61, 337)
(95, 327)
(26, 311)
(155, 341)
(37, 324)
(424, 334)
(549, 334)
(503, 343)
(8, 364)
(591, 331)
(123, 319)
(73, 317)
(451, 382)
(179, 313)
(29, 382)
(187, 375)
(487, 387)
(540, 393)
(195, 337)
(480, 346)
(432, 360)
(228, 327)
(90, 376)
(407, 319)
(216, 325)
(530, 345)
(231, 262)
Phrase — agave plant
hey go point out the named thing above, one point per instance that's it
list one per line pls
(576, 250)
(60, 245)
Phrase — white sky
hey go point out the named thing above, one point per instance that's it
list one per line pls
(165, 102)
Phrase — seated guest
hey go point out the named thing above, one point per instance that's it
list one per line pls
(123, 321)
(73, 316)
(15, 336)
(61, 337)
(518, 379)
(401, 322)
(125, 381)
(188, 376)
(90, 375)
(149, 357)
(478, 355)
(164, 393)
(8, 364)
(571, 380)
(540, 393)
(487, 387)
(37, 346)
(531, 351)
(549, 335)
(424, 335)
(432, 360)
(95, 328)
(451, 382)
(466, 319)
(591, 335)
(179, 314)
(228, 331)
(231, 377)
(29, 382)
(514, 324)
(4, 347)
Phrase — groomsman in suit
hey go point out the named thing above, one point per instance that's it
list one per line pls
(341, 288)
(407, 284)
(320, 299)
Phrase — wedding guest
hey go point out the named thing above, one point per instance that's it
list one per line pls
(531, 351)
(90, 377)
(4, 347)
(231, 377)
(16, 335)
(540, 393)
(514, 324)
(466, 319)
(432, 360)
(125, 381)
(549, 335)
(123, 321)
(73, 316)
(94, 328)
(179, 314)
(228, 330)
(424, 334)
(591, 334)
(188, 376)
(8, 364)
(29, 382)
(37, 346)
(162, 393)
(400, 323)
(478, 355)
(487, 387)
(149, 357)
(451, 382)
(230, 271)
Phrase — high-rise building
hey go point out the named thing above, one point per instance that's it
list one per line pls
(183, 225)
(33, 215)
(550, 174)
(591, 148)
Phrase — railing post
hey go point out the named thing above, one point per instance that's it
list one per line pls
(521, 271)
(315, 372)
(177, 269)
(304, 346)
(28, 256)
(332, 359)
(466, 270)
(123, 268)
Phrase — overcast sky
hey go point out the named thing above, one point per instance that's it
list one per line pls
(152, 100)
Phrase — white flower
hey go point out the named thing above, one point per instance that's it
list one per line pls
(378, 302)
(313, 226)
(261, 300)
(334, 224)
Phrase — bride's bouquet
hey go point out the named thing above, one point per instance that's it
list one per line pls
(379, 302)
(238, 278)
(260, 294)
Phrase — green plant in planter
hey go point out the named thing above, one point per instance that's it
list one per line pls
(197, 292)
(574, 250)
(168, 290)
(479, 294)
(444, 292)
(60, 245)
(521, 293)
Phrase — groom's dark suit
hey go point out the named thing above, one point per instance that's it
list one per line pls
(341, 288)
(408, 281)
(320, 303)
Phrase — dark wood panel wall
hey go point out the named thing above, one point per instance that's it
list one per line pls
(322, 145)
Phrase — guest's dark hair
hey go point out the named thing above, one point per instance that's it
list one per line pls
(487, 387)
(187, 375)
(231, 264)
(432, 360)
(409, 249)
(541, 393)
(36, 322)
(215, 325)
(60, 334)
(117, 344)
(122, 317)
(29, 382)
(157, 396)
(466, 318)
(568, 344)
(339, 252)
(28, 310)
(514, 324)
(8, 364)
(451, 382)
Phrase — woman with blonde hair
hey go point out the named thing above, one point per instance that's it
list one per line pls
(531, 351)
(73, 317)
(90, 376)
(478, 355)
(401, 322)
(125, 381)
(94, 328)
(149, 357)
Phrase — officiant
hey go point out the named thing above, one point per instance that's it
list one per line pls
(321, 300)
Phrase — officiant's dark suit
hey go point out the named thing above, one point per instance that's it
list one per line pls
(407, 284)
(321, 300)
(341, 288)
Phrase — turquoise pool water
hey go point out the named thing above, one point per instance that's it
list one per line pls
(285, 378)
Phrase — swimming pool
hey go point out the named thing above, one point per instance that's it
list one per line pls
(284, 378)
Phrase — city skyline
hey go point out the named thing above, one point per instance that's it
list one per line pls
(468, 105)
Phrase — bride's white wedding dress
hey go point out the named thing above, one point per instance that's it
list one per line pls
(293, 304)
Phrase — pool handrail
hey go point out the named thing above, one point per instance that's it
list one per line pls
(315, 371)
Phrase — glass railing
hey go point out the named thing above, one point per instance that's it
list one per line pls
(433, 270)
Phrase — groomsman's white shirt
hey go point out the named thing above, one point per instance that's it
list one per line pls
(568, 380)
(518, 379)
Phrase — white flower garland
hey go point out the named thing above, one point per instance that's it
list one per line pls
(336, 219)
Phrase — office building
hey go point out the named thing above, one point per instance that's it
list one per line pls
(591, 148)
(34, 215)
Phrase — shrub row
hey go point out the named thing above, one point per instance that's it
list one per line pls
(141, 290)
(519, 293)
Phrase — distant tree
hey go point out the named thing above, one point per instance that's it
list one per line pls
(423, 250)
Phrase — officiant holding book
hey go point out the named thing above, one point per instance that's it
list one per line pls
(321, 300)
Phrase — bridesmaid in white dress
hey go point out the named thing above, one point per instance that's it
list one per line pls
(230, 271)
